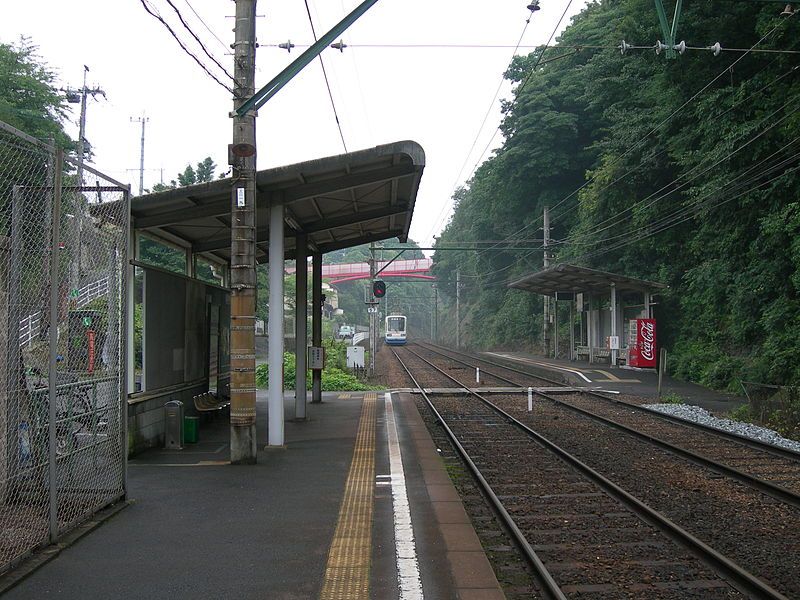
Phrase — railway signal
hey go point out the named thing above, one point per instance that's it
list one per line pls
(379, 288)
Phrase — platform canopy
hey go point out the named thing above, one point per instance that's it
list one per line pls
(572, 278)
(338, 201)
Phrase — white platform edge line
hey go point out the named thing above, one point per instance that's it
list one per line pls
(408, 578)
(540, 364)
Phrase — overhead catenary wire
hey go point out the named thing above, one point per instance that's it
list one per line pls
(325, 75)
(282, 46)
(158, 17)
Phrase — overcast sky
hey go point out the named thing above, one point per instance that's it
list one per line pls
(435, 96)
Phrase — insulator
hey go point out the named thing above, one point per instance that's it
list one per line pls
(624, 47)
(680, 48)
(340, 45)
(288, 45)
(659, 47)
(716, 48)
(534, 6)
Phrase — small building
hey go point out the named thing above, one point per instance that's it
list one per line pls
(614, 314)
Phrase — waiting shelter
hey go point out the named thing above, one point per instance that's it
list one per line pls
(608, 305)
(181, 348)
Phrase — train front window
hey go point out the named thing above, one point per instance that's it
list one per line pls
(396, 324)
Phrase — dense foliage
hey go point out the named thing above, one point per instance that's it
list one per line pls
(680, 171)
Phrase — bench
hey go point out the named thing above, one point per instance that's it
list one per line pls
(209, 402)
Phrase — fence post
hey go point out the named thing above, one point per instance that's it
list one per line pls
(662, 366)
(52, 371)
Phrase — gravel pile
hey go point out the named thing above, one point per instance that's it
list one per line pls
(702, 416)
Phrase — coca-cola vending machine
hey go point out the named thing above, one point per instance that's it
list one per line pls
(642, 349)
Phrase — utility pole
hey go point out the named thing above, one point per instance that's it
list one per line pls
(242, 158)
(435, 313)
(373, 337)
(546, 299)
(73, 97)
(458, 309)
(142, 120)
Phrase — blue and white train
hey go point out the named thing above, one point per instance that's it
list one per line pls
(395, 330)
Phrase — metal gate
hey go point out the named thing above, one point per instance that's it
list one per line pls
(63, 254)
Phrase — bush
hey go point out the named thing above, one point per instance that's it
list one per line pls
(334, 379)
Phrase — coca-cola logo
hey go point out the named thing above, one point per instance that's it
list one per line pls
(647, 333)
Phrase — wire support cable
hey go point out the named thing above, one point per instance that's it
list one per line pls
(523, 84)
(325, 74)
(197, 39)
(200, 63)
(702, 204)
(445, 206)
(211, 31)
(664, 190)
(656, 128)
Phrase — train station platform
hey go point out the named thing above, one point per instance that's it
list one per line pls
(622, 380)
(326, 516)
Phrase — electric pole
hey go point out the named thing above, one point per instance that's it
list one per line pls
(373, 306)
(142, 120)
(73, 97)
(242, 158)
(546, 299)
(458, 309)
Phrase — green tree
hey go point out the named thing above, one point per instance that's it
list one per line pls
(190, 176)
(29, 100)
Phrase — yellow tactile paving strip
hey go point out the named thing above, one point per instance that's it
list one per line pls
(347, 571)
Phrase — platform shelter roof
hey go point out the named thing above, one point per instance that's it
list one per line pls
(338, 202)
(572, 278)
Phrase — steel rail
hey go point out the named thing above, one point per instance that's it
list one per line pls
(741, 579)
(767, 487)
(541, 574)
(735, 437)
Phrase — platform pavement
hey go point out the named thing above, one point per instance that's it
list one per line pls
(625, 381)
(200, 528)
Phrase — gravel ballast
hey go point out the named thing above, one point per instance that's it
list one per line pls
(700, 415)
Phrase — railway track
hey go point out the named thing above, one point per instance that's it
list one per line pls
(592, 537)
(770, 469)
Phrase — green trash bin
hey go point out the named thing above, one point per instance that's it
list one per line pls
(191, 426)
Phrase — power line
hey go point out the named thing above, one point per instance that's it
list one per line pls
(654, 129)
(197, 39)
(183, 47)
(199, 18)
(616, 219)
(342, 46)
(325, 74)
(480, 129)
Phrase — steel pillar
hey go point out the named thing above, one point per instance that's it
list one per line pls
(275, 358)
(614, 353)
(301, 303)
(316, 323)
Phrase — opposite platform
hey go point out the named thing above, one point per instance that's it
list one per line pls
(200, 528)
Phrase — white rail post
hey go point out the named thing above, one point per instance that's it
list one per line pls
(477, 374)
(530, 399)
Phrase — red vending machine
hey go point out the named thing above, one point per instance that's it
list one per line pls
(642, 349)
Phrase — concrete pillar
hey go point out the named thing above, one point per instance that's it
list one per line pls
(647, 300)
(316, 323)
(572, 328)
(555, 326)
(275, 357)
(589, 328)
(301, 303)
(614, 318)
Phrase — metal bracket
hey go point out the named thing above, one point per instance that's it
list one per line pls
(669, 32)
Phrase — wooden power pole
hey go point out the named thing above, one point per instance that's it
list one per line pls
(242, 158)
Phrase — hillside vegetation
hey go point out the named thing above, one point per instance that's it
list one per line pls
(679, 171)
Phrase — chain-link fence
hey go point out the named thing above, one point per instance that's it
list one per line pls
(63, 250)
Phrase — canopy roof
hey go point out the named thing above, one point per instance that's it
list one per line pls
(572, 278)
(339, 201)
